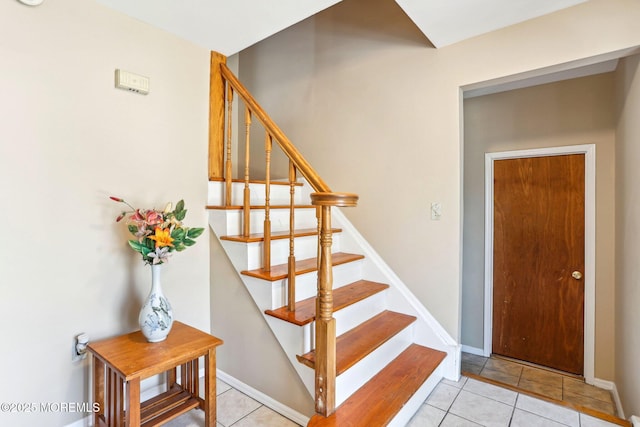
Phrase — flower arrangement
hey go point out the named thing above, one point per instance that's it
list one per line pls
(158, 233)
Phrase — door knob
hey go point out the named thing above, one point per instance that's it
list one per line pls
(576, 275)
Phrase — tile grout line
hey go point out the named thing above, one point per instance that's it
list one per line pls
(245, 416)
(563, 390)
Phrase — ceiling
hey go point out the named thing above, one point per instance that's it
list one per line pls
(229, 26)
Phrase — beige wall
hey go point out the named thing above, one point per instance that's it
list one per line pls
(378, 112)
(68, 139)
(628, 235)
(578, 111)
(251, 352)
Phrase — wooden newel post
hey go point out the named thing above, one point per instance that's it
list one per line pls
(216, 116)
(325, 323)
(325, 380)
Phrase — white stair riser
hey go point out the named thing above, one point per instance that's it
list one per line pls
(356, 376)
(229, 222)
(355, 314)
(278, 194)
(272, 295)
(237, 253)
(307, 284)
(250, 256)
(304, 248)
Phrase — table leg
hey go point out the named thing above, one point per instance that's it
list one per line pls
(210, 388)
(98, 389)
(171, 378)
(133, 403)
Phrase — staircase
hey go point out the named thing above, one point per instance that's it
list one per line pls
(386, 364)
(366, 349)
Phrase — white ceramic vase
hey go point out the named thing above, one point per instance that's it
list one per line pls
(156, 315)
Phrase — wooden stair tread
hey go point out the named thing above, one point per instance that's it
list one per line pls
(275, 235)
(355, 344)
(240, 207)
(257, 181)
(280, 271)
(342, 297)
(382, 397)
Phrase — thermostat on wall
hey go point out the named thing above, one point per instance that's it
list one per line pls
(132, 82)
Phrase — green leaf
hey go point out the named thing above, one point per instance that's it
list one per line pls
(180, 247)
(150, 244)
(178, 234)
(179, 206)
(136, 246)
(194, 232)
(133, 229)
(189, 242)
(181, 214)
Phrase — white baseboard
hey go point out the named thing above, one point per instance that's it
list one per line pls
(473, 350)
(267, 401)
(611, 386)
(635, 421)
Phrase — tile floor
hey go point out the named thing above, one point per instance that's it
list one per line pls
(465, 403)
(235, 409)
(472, 403)
(542, 382)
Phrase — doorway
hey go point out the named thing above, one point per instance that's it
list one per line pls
(509, 336)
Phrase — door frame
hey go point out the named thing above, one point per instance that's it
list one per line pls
(589, 151)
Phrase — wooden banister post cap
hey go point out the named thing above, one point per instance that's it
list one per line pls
(334, 199)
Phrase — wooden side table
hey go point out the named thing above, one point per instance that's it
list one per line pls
(120, 363)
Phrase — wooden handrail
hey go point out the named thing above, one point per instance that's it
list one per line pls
(224, 86)
(285, 144)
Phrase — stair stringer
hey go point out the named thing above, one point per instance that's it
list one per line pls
(428, 331)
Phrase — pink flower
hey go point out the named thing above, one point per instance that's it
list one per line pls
(154, 218)
(137, 216)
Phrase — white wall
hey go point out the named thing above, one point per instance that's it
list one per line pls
(628, 235)
(69, 139)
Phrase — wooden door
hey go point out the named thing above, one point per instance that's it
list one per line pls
(538, 260)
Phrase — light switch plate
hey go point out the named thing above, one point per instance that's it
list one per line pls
(436, 211)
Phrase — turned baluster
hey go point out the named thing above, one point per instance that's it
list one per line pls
(267, 221)
(247, 192)
(292, 258)
(228, 172)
